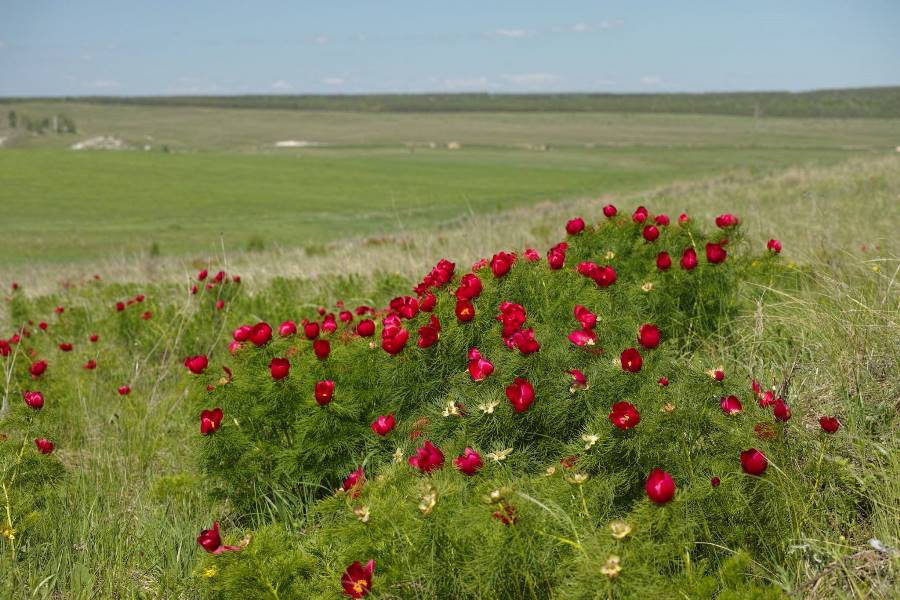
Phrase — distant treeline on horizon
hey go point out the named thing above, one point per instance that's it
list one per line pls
(878, 102)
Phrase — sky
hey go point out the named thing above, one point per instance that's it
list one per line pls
(120, 47)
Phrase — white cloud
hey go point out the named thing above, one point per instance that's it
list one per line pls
(588, 27)
(467, 83)
(532, 79)
(2, 44)
(511, 33)
(651, 80)
(321, 39)
(281, 84)
(101, 84)
(334, 81)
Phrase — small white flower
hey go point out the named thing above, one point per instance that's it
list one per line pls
(500, 455)
(489, 406)
(590, 439)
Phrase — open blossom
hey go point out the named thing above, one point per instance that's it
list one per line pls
(383, 424)
(731, 405)
(754, 462)
(774, 246)
(479, 367)
(531, 255)
(624, 415)
(33, 399)
(586, 318)
(357, 579)
(469, 287)
(44, 445)
(211, 541)
(468, 462)
(579, 381)
(520, 394)
(324, 392)
(829, 424)
(501, 263)
(405, 306)
(426, 304)
(648, 336)
(210, 420)
(524, 341)
(660, 486)
(393, 337)
(196, 364)
(715, 253)
(575, 226)
(354, 483)
(465, 310)
(279, 368)
(583, 337)
(631, 360)
(427, 458)
(650, 233)
(512, 316)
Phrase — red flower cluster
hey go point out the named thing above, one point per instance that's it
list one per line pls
(603, 276)
(427, 458)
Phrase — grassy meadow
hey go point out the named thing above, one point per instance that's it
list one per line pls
(361, 219)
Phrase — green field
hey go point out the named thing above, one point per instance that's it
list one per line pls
(214, 175)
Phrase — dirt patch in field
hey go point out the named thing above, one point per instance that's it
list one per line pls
(102, 142)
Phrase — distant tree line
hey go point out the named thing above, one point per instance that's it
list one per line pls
(883, 102)
(58, 124)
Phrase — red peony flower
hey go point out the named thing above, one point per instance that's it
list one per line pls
(715, 481)
(575, 226)
(324, 392)
(211, 541)
(260, 334)
(329, 325)
(556, 256)
(287, 328)
(427, 458)
(663, 261)
(661, 220)
(120, 306)
(469, 287)
(609, 211)
(774, 246)
(532, 255)
(322, 348)
(357, 580)
(383, 425)
(579, 381)
(524, 341)
(124, 390)
(33, 399)
(689, 259)
(428, 334)
(501, 263)
(683, 218)
(210, 420)
(201, 276)
(640, 215)
(631, 360)
(90, 365)
(469, 462)
(220, 304)
(660, 486)
(781, 410)
(311, 330)
(393, 338)
(354, 483)
(829, 424)
(94, 337)
(650, 233)
(37, 368)
(405, 306)
(59, 310)
(767, 399)
(465, 310)
(586, 318)
(715, 253)
(583, 337)
(624, 415)
(512, 316)
(726, 221)
(44, 445)
(427, 302)
(731, 405)
(196, 364)
(648, 336)
(242, 333)
(43, 326)
(365, 328)
(279, 367)
(520, 394)
(65, 346)
(479, 367)
(754, 462)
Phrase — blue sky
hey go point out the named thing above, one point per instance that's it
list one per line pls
(79, 47)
